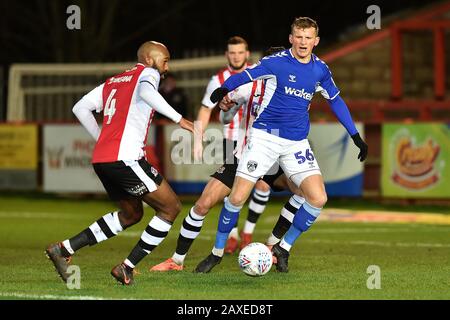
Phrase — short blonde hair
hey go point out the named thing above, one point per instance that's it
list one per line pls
(304, 23)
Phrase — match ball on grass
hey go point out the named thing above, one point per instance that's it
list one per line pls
(255, 259)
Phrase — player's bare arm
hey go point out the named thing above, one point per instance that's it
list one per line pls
(187, 125)
(203, 117)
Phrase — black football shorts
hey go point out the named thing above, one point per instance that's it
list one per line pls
(227, 172)
(125, 179)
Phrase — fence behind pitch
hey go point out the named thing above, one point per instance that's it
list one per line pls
(47, 92)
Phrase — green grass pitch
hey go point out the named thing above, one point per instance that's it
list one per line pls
(328, 262)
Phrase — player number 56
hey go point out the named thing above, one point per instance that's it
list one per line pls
(302, 158)
(110, 106)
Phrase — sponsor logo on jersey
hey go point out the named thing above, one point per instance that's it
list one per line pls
(252, 165)
(120, 79)
(298, 93)
(292, 78)
(154, 171)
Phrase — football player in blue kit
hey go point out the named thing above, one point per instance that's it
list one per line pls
(279, 134)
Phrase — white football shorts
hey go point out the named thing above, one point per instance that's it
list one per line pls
(263, 150)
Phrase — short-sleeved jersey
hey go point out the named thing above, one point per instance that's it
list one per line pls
(230, 130)
(127, 117)
(290, 86)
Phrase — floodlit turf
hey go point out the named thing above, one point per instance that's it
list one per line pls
(328, 262)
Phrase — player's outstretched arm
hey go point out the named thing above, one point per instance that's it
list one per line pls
(218, 94)
(230, 84)
(187, 125)
(261, 71)
(363, 147)
(153, 98)
(229, 108)
(204, 114)
(342, 113)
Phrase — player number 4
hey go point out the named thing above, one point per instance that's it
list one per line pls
(308, 156)
(110, 106)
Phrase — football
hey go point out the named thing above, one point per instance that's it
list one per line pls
(255, 259)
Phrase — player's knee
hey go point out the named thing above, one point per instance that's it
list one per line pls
(170, 211)
(264, 187)
(137, 217)
(237, 200)
(202, 206)
(130, 217)
(175, 208)
(318, 200)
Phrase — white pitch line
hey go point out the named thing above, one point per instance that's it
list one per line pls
(133, 234)
(357, 242)
(37, 215)
(51, 296)
(384, 244)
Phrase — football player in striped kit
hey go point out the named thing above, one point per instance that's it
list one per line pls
(128, 102)
(237, 54)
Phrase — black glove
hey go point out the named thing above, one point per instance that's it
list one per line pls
(218, 94)
(363, 147)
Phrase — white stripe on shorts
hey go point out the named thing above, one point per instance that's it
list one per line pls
(149, 183)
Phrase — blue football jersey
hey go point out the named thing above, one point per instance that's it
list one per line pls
(290, 86)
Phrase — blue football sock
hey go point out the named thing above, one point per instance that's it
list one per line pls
(227, 220)
(291, 235)
(303, 219)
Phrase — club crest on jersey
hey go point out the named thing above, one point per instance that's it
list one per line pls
(251, 165)
(292, 78)
(154, 171)
(220, 170)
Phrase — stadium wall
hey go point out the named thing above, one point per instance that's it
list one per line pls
(414, 159)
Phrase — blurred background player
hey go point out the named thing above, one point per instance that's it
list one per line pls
(280, 132)
(128, 101)
(237, 55)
